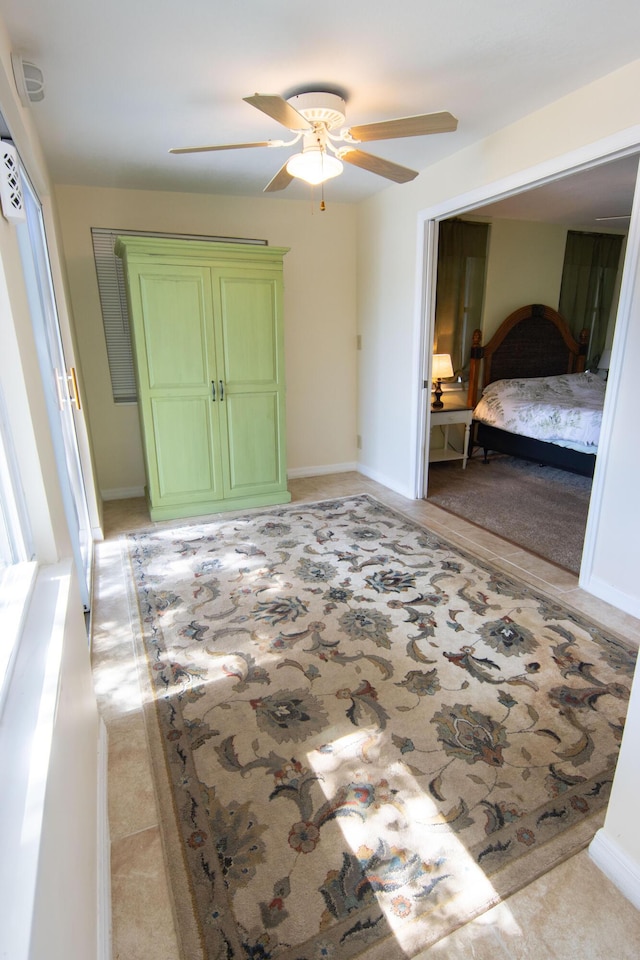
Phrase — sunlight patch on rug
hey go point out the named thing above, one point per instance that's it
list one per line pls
(411, 823)
(362, 736)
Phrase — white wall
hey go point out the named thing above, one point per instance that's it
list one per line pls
(616, 847)
(319, 315)
(49, 729)
(388, 243)
(387, 375)
(388, 238)
(48, 802)
(576, 128)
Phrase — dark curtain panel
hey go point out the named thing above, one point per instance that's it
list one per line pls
(588, 282)
(462, 255)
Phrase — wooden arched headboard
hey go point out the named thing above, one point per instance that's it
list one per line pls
(533, 341)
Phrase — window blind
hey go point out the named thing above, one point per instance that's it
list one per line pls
(113, 302)
(115, 316)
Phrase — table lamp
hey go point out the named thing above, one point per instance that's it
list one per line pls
(441, 368)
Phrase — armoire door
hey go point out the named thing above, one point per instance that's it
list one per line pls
(175, 357)
(209, 355)
(250, 350)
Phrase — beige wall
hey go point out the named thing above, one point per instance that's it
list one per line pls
(319, 304)
(524, 266)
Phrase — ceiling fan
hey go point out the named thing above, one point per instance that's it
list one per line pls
(317, 118)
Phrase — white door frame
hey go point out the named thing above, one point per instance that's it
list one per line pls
(619, 145)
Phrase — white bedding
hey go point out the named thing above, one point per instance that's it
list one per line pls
(566, 410)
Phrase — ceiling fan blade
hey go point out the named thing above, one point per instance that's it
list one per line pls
(442, 122)
(278, 109)
(384, 168)
(228, 146)
(281, 180)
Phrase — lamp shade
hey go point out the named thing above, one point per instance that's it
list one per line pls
(314, 166)
(441, 367)
(605, 360)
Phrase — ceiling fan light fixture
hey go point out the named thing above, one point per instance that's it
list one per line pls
(317, 118)
(314, 166)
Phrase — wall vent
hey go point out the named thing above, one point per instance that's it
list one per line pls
(29, 80)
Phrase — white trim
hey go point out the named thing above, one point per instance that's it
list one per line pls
(604, 591)
(587, 580)
(386, 482)
(122, 493)
(17, 583)
(298, 472)
(427, 254)
(26, 738)
(624, 872)
(104, 849)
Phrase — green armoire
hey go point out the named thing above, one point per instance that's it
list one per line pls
(207, 333)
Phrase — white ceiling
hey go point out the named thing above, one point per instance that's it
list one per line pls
(126, 80)
(599, 198)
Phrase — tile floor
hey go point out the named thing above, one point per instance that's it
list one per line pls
(571, 913)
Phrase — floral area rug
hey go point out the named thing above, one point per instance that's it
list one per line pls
(362, 736)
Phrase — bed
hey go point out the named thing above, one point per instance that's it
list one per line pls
(531, 395)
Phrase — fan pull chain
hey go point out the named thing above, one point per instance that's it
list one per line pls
(322, 204)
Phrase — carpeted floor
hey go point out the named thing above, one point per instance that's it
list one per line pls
(542, 509)
(362, 736)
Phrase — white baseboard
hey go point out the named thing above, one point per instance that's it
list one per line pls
(295, 473)
(104, 850)
(298, 472)
(617, 598)
(122, 493)
(617, 866)
(385, 481)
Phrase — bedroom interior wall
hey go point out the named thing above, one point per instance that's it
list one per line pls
(524, 266)
(319, 309)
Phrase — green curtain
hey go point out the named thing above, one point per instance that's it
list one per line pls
(462, 256)
(588, 283)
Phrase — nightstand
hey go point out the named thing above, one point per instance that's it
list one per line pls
(453, 412)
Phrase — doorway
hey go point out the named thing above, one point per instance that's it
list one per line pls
(562, 194)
